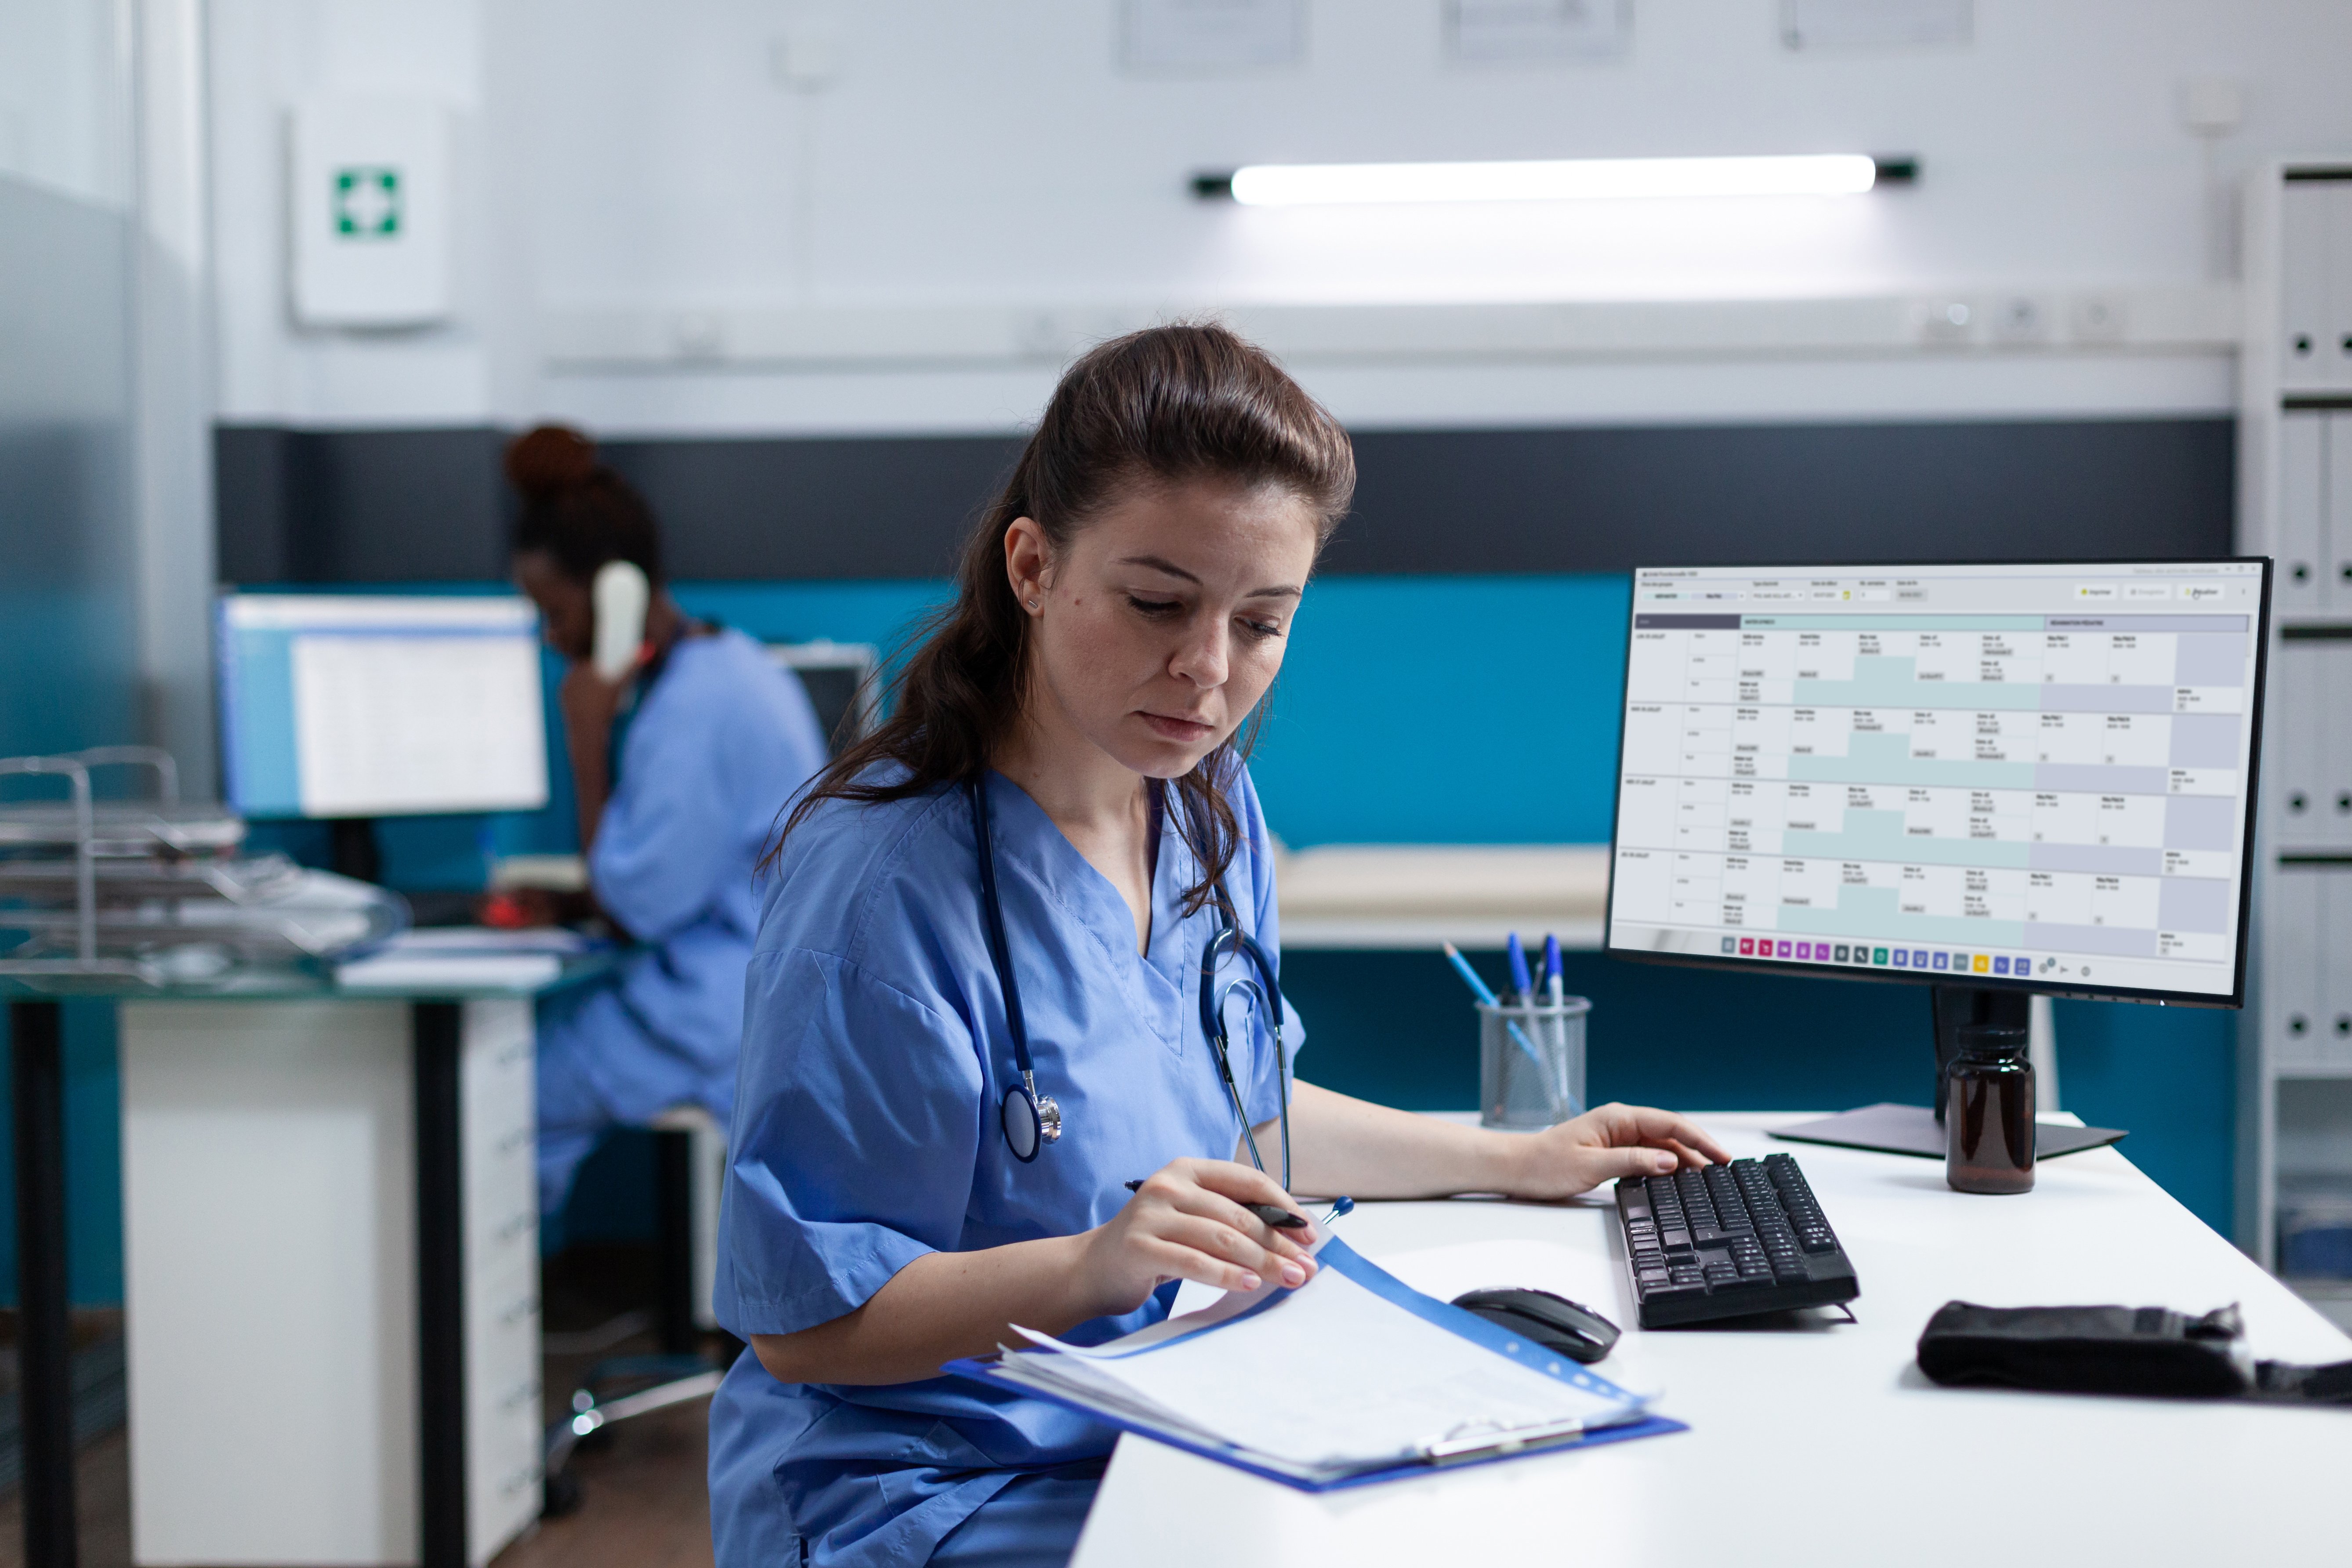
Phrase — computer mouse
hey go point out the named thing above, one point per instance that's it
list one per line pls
(1553, 1322)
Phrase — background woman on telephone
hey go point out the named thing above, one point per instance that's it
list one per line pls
(681, 758)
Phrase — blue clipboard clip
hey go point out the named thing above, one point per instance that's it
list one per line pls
(1457, 1447)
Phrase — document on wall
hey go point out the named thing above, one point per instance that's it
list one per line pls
(1349, 1375)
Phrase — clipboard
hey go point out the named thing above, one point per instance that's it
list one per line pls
(1451, 1451)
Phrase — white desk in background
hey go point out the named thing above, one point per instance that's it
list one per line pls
(1823, 1444)
(1418, 895)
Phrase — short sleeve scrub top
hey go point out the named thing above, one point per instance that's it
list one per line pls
(865, 1134)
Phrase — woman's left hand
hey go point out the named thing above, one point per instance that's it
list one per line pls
(1606, 1143)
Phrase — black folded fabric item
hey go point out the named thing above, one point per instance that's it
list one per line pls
(2117, 1349)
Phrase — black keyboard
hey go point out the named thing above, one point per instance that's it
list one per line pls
(1728, 1241)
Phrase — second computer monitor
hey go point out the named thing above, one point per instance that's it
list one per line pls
(2037, 777)
(358, 706)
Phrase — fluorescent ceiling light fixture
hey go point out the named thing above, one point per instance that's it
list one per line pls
(1564, 180)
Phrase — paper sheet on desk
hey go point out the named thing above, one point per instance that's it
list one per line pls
(1326, 1376)
(457, 971)
(465, 941)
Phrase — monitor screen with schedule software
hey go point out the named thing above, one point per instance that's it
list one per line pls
(2034, 776)
(352, 705)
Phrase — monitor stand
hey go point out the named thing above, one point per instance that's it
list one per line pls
(1890, 1129)
(353, 850)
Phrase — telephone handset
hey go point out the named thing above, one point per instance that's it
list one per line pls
(620, 595)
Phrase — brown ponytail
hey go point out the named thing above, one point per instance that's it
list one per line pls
(1167, 406)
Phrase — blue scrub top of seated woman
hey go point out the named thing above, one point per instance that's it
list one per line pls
(865, 1135)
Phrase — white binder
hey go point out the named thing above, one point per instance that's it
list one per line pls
(2331, 936)
(2336, 520)
(2329, 711)
(2306, 209)
(2337, 351)
(2300, 583)
(2291, 1001)
(2292, 776)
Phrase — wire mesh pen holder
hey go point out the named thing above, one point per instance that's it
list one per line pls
(1531, 1062)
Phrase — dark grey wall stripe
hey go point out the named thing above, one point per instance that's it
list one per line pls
(872, 507)
(359, 506)
(410, 505)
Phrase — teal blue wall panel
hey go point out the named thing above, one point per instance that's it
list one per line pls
(1410, 709)
(1483, 710)
(1398, 1027)
(1448, 711)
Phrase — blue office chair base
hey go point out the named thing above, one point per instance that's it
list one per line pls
(614, 1391)
(622, 1388)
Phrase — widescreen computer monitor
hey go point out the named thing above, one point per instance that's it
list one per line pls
(1992, 779)
(360, 706)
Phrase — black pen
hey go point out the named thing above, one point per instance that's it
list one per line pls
(1273, 1215)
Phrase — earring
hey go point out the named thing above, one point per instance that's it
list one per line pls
(1032, 604)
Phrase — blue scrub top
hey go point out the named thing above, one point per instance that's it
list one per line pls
(721, 740)
(865, 1135)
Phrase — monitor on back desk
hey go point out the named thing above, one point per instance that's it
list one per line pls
(352, 707)
(1992, 780)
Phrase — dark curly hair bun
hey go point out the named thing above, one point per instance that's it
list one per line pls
(579, 512)
(550, 460)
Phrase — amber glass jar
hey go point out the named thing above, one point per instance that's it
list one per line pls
(1988, 1112)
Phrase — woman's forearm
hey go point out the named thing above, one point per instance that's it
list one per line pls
(1343, 1145)
(942, 1306)
(592, 786)
(1186, 1221)
(1340, 1144)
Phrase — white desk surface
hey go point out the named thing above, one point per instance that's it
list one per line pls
(1418, 895)
(1821, 1443)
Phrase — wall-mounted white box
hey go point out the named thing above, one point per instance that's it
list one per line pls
(370, 206)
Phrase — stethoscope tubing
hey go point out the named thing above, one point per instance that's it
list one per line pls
(1043, 1116)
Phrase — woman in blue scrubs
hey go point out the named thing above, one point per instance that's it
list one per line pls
(1087, 701)
(713, 740)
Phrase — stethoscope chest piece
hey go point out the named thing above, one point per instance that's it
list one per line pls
(1031, 1121)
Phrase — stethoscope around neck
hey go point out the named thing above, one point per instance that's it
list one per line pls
(1030, 1120)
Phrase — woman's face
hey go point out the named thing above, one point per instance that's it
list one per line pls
(1164, 621)
(567, 613)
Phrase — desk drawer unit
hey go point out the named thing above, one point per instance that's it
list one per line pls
(497, 1089)
(270, 1182)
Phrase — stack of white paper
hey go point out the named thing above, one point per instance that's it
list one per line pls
(1330, 1379)
(450, 971)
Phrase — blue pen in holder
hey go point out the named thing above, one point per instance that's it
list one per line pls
(1531, 1062)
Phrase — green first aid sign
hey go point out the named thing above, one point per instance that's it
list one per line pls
(367, 203)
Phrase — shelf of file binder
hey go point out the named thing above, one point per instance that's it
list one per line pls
(158, 891)
(2294, 1174)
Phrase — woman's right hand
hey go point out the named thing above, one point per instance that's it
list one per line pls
(1187, 1222)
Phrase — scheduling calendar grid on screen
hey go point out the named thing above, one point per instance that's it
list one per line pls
(2028, 772)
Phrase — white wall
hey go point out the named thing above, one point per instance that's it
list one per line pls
(65, 108)
(629, 156)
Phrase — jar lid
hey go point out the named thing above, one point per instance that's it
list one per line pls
(1994, 1041)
